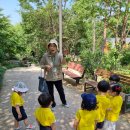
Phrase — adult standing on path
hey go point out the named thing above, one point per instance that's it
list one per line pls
(52, 62)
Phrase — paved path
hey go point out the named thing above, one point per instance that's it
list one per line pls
(64, 115)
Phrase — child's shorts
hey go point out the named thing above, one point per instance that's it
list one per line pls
(15, 114)
(45, 127)
(99, 125)
(108, 125)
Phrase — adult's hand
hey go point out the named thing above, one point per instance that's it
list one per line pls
(48, 67)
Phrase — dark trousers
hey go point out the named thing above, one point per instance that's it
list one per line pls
(99, 125)
(60, 89)
(45, 127)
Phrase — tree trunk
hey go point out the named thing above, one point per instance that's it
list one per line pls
(104, 34)
(125, 19)
(124, 34)
(116, 36)
(52, 30)
(94, 35)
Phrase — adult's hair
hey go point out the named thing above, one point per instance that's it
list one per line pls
(44, 99)
(103, 86)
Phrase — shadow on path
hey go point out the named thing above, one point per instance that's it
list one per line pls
(64, 116)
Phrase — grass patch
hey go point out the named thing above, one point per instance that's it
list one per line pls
(123, 71)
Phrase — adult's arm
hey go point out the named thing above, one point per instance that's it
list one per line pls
(42, 62)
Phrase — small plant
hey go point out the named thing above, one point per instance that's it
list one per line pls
(126, 89)
(68, 58)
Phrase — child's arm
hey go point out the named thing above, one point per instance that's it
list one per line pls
(18, 111)
(95, 124)
(53, 126)
(75, 125)
(37, 122)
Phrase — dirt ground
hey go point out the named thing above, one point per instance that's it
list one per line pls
(64, 116)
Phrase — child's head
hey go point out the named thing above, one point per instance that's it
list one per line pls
(103, 86)
(115, 89)
(45, 100)
(89, 102)
(20, 87)
(114, 78)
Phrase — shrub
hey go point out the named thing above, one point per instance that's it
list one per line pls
(91, 61)
(126, 89)
(125, 60)
(111, 60)
(2, 71)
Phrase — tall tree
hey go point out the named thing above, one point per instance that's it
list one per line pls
(116, 14)
(40, 22)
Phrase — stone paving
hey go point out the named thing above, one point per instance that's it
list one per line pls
(64, 116)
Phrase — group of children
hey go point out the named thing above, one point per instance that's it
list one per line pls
(99, 112)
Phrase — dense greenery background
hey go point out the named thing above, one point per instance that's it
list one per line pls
(86, 26)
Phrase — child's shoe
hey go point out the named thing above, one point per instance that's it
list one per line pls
(30, 127)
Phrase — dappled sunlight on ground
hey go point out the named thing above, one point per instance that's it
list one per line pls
(64, 116)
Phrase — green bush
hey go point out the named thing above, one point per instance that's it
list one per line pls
(9, 65)
(111, 61)
(91, 61)
(2, 71)
(126, 89)
(125, 60)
